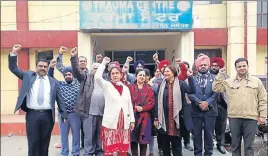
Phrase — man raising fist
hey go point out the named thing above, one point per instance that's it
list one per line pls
(82, 62)
(37, 98)
(247, 105)
(90, 105)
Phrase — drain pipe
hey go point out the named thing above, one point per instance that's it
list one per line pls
(245, 30)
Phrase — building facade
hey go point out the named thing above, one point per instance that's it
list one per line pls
(227, 29)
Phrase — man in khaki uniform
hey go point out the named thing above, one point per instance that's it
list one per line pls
(247, 105)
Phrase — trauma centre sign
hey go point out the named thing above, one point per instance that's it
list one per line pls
(136, 15)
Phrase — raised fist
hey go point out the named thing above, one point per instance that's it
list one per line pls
(52, 63)
(129, 59)
(124, 69)
(223, 70)
(16, 48)
(99, 58)
(62, 49)
(106, 60)
(74, 52)
(155, 57)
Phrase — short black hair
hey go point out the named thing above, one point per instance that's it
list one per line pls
(240, 60)
(147, 72)
(186, 63)
(82, 57)
(137, 71)
(42, 60)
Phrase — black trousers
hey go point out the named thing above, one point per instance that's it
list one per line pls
(82, 134)
(175, 142)
(245, 128)
(185, 134)
(209, 125)
(39, 126)
(160, 143)
(220, 126)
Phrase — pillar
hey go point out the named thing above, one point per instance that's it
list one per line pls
(186, 49)
(85, 47)
(252, 36)
(236, 29)
(24, 64)
(235, 25)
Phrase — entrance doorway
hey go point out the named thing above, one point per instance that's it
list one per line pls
(145, 55)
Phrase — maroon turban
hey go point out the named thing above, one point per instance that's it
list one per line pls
(219, 61)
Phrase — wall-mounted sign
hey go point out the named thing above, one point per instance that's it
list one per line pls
(136, 15)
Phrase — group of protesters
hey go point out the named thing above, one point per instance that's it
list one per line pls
(115, 111)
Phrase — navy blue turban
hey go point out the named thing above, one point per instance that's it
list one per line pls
(67, 69)
(137, 63)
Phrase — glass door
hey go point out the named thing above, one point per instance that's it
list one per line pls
(145, 55)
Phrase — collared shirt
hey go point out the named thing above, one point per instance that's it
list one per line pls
(97, 101)
(246, 98)
(240, 79)
(31, 101)
(70, 93)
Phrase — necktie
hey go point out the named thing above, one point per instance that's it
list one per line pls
(203, 81)
(40, 95)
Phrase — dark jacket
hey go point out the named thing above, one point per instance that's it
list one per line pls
(86, 88)
(28, 79)
(204, 95)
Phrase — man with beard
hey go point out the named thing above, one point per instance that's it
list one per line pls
(247, 105)
(83, 66)
(216, 64)
(204, 109)
(137, 65)
(69, 90)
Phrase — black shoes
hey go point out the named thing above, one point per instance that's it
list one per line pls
(221, 149)
(188, 147)
(161, 153)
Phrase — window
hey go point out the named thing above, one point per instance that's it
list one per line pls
(44, 55)
(262, 14)
(216, 2)
(145, 55)
(211, 53)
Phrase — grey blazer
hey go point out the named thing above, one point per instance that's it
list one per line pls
(28, 79)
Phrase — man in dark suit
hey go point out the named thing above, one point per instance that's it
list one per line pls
(216, 64)
(37, 98)
(204, 109)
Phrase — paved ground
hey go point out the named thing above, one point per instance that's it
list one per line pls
(17, 146)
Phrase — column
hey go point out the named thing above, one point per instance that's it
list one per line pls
(85, 47)
(235, 24)
(252, 36)
(186, 49)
